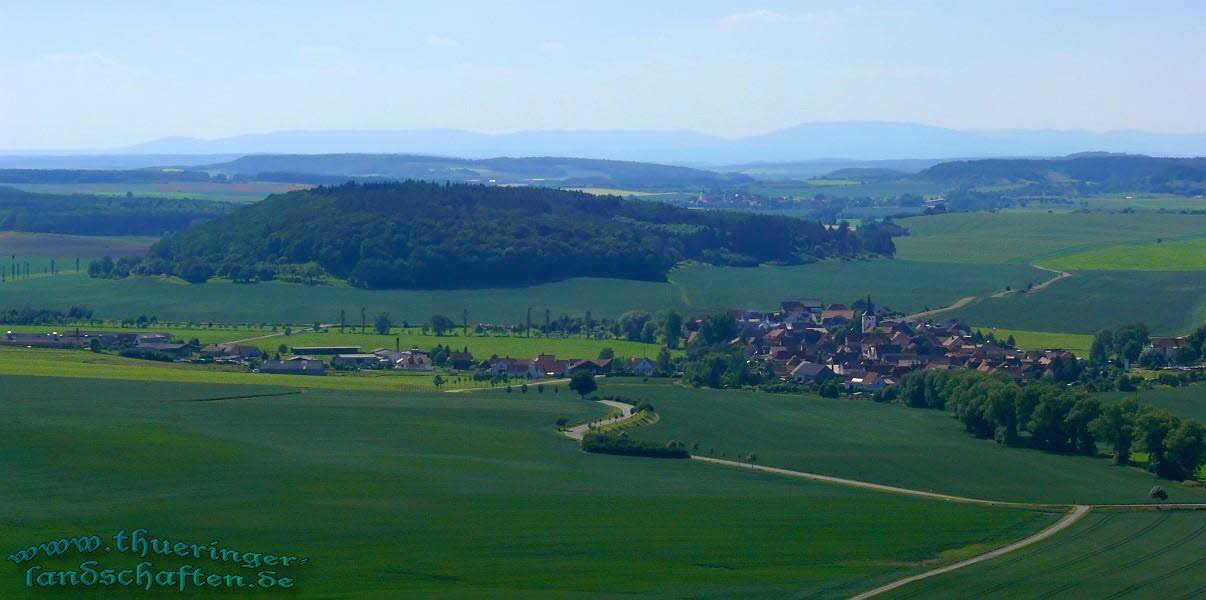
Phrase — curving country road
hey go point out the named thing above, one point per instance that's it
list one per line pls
(1073, 516)
(578, 432)
(1075, 512)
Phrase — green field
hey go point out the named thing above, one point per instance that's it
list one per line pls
(245, 192)
(439, 495)
(1140, 201)
(1078, 343)
(1027, 237)
(881, 443)
(1169, 302)
(1105, 555)
(1173, 255)
(1185, 401)
(692, 288)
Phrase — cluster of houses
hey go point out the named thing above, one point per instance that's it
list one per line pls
(305, 362)
(800, 343)
(161, 342)
(548, 365)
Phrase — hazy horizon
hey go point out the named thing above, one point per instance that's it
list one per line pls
(127, 73)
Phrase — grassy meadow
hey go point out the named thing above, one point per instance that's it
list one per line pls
(442, 496)
(1078, 343)
(882, 443)
(1105, 555)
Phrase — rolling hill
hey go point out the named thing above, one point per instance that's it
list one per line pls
(425, 235)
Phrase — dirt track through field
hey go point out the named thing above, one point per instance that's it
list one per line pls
(1075, 512)
(1073, 516)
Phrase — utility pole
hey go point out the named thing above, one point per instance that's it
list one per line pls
(342, 319)
(363, 321)
(465, 321)
(528, 330)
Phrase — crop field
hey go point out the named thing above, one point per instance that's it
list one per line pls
(1185, 401)
(1105, 555)
(478, 494)
(692, 288)
(245, 192)
(1141, 201)
(68, 247)
(881, 443)
(1027, 237)
(1173, 255)
(1078, 343)
(1169, 302)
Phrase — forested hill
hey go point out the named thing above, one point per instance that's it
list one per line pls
(82, 214)
(426, 235)
(1085, 173)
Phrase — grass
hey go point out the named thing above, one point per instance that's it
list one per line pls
(1027, 237)
(1173, 255)
(880, 443)
(1169, 302)
(1105, 555)
(692, 289)
(481, 346)
(1078, 343)
(443, 496)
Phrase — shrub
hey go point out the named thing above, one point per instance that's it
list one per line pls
(605, 443)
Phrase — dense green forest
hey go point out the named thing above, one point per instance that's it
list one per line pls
(426, 235)
(1081, 174)
(81, 214)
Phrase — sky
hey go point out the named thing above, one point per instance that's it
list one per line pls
(93, 74)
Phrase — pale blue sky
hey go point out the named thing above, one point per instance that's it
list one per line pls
(99, 74)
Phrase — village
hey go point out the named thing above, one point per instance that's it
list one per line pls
(859, 347)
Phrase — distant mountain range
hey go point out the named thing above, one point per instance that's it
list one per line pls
(858, 140)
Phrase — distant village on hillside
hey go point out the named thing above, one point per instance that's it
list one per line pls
(860, 347)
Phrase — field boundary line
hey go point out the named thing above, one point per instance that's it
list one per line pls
(1077, 512)
(878, 486)
(241, 396)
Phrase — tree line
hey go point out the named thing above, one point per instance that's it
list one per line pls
(82, 214)
(1057, 419)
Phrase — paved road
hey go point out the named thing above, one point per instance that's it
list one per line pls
(579, 431)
